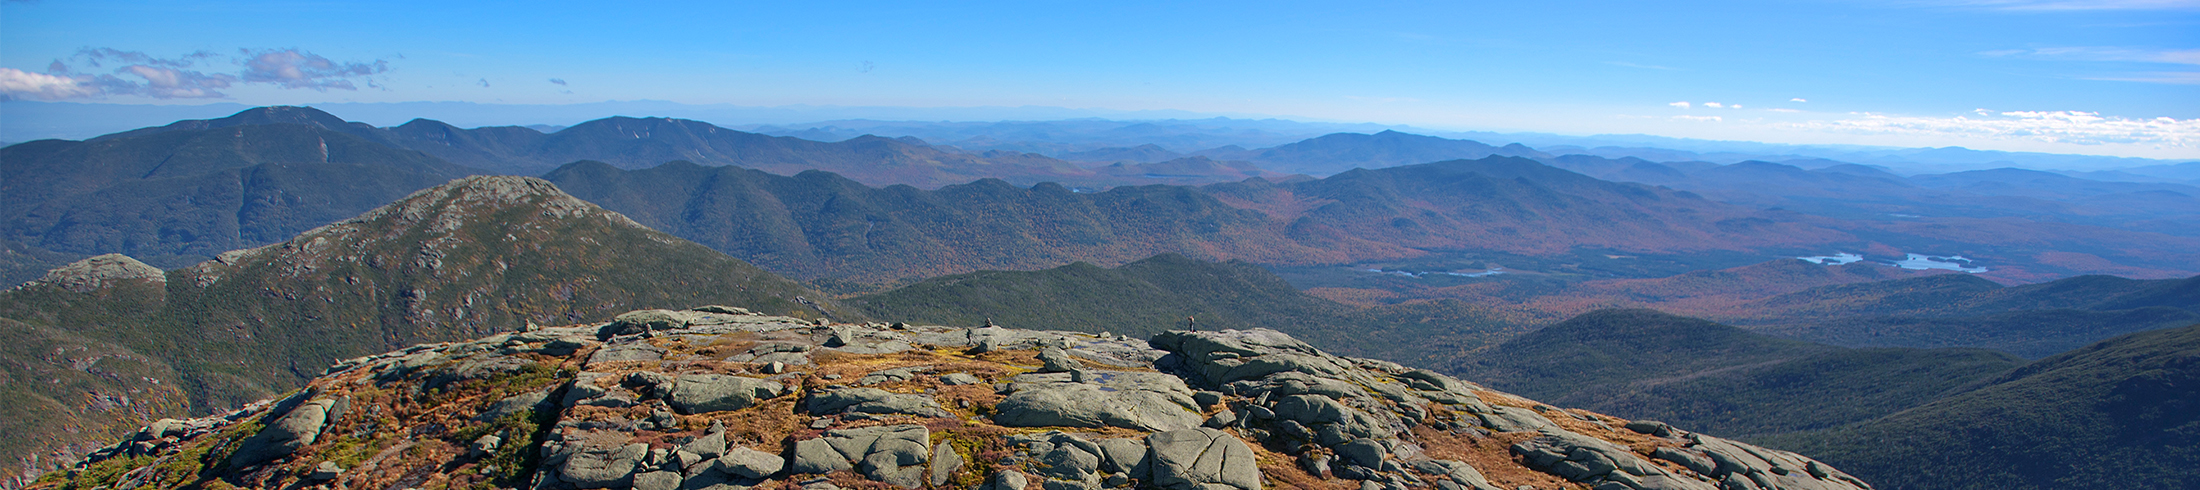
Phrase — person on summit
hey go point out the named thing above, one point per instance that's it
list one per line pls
(1191, 324)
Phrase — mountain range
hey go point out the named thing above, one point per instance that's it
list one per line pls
(1507, 267)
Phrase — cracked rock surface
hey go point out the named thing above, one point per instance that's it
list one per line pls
(720, 398)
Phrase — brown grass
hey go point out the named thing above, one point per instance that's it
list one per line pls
(1492, 455)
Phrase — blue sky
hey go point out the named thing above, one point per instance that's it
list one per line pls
(2118, 77)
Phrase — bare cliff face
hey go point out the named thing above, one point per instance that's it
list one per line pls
(724, 398)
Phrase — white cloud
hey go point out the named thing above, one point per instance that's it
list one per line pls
(22, 84)
(1681, 104)
(1797, 99)
(1699, 118)
(1712, 104)
(171, 83)
(137, 73)
(1784, 110)
(2068, 127)
(291, 68)
(1733, 106)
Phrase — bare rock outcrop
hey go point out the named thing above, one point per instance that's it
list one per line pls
(719, 398)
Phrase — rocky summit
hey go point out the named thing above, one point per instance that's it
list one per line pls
(722, 398)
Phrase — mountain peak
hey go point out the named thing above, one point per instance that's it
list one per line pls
(510, 204)
(493, 192)
(283, 114)
(101, 272)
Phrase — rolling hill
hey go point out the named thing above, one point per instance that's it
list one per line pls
(816, 224)
(2033, 320)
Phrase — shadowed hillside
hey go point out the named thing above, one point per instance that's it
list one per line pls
(2122, 413)
(1722, 379)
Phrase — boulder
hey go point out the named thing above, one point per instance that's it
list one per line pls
(875, 401)
(1125, 457)
(643, 321)
(817, 456)
(945, 462)
(603, 467)
(1142, 401)
(894, 454)
(295, 429)
(1651, 427)
(957, 379)
(657, 480)
(1363, 452)
(750, 463)
(699, 393)
(1324, 414)
(1008, 480)
(1194, 459)
(1056, 360)
(1515, 419)
(1071, 462)
(710, 446)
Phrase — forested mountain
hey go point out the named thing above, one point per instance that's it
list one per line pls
(465, 259)
(182, 194)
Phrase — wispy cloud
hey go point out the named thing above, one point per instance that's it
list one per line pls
(1382, 100)
(1633, 65)
(2105, 53)
(2119, 54)
(1791, 111)
(1699, 118)
(1681, 104)
(2172, 77)
(1797, 99)
(559, 81)
(2053, 5)
(2072, 127)
(115, 72)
